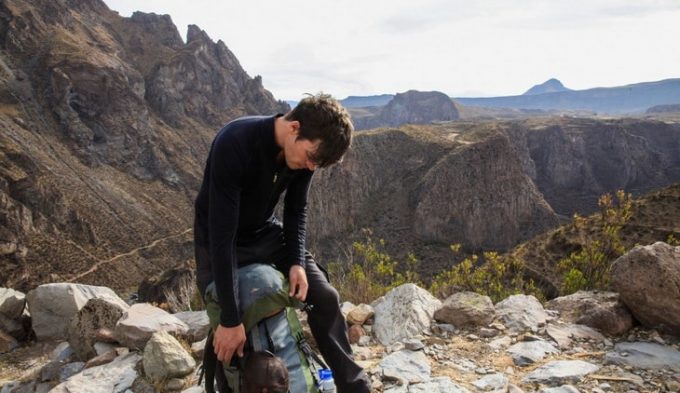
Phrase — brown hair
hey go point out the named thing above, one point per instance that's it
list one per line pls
(322, 118)
(263, 372)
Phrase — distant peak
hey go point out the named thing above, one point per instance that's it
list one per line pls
(552, 85)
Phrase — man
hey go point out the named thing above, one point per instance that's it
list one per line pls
(251, 162)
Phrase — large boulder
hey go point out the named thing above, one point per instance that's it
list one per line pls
(141, 321)
(165, 358)
(648, 280)
(603, 311)
(466, 309)
(52, 306)
(403, 312)
(115, 377)
(12, 303)
(198, 322)
(95, 315)
(521, 312)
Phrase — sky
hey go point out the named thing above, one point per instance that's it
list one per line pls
(460, 47)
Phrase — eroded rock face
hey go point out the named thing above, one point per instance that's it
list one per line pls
(648, 281)
(603, 311)
(95, 315)
(411, 107)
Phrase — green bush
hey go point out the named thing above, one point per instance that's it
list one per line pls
(371, 272)
(498, 277)
(589, 268)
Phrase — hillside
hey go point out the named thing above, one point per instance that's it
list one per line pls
(106, 125)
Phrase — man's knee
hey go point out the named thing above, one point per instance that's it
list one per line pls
(325, 297)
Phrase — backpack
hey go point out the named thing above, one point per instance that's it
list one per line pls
(271, 324)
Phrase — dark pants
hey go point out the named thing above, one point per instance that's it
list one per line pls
(325, 319)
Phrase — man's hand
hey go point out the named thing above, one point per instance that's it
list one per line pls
(297, 278)
(228, 341)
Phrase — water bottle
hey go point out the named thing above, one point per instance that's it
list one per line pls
(326, 382)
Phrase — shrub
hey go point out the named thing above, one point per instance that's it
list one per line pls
(370, 271)
(589, 268)
(498, 277)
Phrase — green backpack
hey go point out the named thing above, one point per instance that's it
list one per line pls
(271, 324)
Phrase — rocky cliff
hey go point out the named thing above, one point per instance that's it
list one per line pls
(485, 185)
(106, 124)
(411, 107)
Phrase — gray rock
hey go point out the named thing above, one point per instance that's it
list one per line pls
(198, 347)
(115, 377)
(360, 314)
(141, 321)
(7, 343)
(164, 358)
(97, 313)
(560, 389)
(603, 311)
(529, 352)
(102, 348)
(521, 312)
(437, 385)
(17, 328)
(645, 355)
(561, 371)
(70, 369)
(413, 344)
(345, 308)
(466, 309)
(62, 352)
(52, 306)
(564, 333)
(514, 389)
(495, 382)
(500, 342)
(488, 333)
(198, 322)
(402, 313)
(12, 303)
(406, 367)
(648, 280)
(194, 389)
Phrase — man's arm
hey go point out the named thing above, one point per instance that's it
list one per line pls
(294, 232)
(226, 170)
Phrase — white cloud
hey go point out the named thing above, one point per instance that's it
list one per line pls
(492, 47)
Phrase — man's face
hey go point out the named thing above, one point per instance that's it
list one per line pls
(298, 152)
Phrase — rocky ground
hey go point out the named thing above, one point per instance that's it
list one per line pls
(87, 339)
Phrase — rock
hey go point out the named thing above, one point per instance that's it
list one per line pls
(466, 309)
(141, 321)
(52, 306)
(62, 352)
(488, 333)
(648, 280)
(561, 371)
(560, 389)
(197, 348)
(194, 389)
(364, 341)
(403, 312)
(17, 328)
(198, 322)
(514, 389)
(164, 358)
(529, 352)
(521, 312)
(500, 342)
(12, 303)
(115, 377)
(355, 333)
(102, 348)
(443, 329)
(600, 310)
(70, 369)
(360, 314)
(495, 382)
(563, 334)
(437, 385)
(645, 355)
(413, 344)
(97, 313)
(407, 367)
(345, 308)
(174, 385)
(7, 343)
(104, 358)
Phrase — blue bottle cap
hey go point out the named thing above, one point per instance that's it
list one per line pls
(325, 374)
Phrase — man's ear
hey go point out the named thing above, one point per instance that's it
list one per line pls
(294, 127)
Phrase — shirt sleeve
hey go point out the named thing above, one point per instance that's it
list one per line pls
(295, 218)
(227, 167)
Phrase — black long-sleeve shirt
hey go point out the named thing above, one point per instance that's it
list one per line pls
(242, 183)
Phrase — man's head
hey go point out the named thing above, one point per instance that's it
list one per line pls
(326, 125)
(263, 372)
